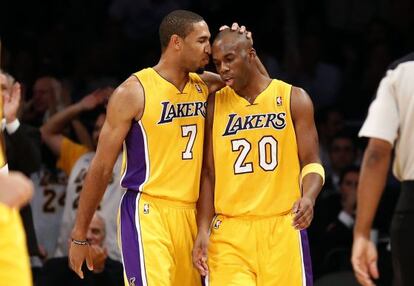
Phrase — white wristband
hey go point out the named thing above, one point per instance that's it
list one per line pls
(12, 126)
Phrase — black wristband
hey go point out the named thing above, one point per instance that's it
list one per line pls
(80, 242)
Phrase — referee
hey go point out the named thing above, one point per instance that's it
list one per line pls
(389, 126)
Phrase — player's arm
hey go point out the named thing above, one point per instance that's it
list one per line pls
(213, 81)
(261, 67)
(308, 151)
(205, 203)
(15, 190)
(125, 105)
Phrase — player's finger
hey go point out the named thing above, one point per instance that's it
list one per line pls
(224, 27)
(364, 280)
(300, 224)
(242, 29)
(249, 35)
(373, 269)
(89, 261)
(302, 219)
(196, 256)
(295, 207)
(361, 273)
(77, 268)
(235, 26)
(200, 267)
(204, 265)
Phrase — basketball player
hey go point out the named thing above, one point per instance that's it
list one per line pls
(15, 191)
(159, 114)
(261, 175)
(389, 125)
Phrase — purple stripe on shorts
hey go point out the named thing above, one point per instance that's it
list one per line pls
(136, 166)
(306, 258)
(130, 240)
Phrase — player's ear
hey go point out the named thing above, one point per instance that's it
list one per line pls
(252, 54)
(176, 42)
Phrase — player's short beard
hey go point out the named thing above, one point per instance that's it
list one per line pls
(200, 70)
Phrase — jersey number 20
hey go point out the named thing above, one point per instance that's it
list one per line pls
(267, 154)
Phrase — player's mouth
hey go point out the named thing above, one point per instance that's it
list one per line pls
(228, 81)
(205, 61)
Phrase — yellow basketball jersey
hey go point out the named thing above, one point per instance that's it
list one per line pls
(2, 143)
(164, 149)
(255, 153)
(14, 260)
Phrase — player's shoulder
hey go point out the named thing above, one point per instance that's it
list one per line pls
(129, 94)
(224, 91)
(199, 83)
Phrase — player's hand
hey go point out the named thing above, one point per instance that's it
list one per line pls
(99, 256)
(364, 260)
(242, 30)
(200, 253)
(77, 255)
(303, 213)
(17, 190)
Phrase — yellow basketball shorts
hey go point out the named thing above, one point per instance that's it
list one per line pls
(262, 252)
(14, 260)
(156, 238)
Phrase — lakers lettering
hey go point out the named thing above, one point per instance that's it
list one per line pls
(237, 123)
(186, 109)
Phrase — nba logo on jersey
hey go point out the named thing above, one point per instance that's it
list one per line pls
(278, 101)
(132, 281)
(198, 88)
(146, 208)
(217, 224)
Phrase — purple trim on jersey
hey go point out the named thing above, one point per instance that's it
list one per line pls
(130, 240)
(307, 262)
(136, 168)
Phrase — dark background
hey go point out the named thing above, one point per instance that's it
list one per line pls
(337, 50)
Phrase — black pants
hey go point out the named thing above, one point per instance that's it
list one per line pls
(402, 236)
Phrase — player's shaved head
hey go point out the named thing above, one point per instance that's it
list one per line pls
(228, 39)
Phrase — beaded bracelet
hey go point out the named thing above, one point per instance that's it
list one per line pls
(80, 242)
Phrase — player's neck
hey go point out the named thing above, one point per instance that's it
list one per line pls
(254, 87)
(172, 72)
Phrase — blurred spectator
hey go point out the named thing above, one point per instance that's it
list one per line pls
(342, 153)
(74, 160)
(22, 141)
(320, 79)
(106, 272)
(338, 212)
(47, 205)
(329, 122)
(48, 98)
